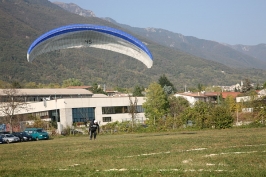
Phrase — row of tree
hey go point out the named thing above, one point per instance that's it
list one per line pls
(166, 111)
(137, 90)
(66, 83)
(162, 108)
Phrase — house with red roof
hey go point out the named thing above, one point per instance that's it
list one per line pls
(213, 97)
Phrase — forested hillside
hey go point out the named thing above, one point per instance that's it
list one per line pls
(22, 21)
(228, 55)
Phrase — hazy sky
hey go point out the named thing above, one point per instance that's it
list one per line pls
(224, 21)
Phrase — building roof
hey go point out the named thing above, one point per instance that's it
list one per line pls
(233, 94)
(193, 94)
(211, 94)
(63, 91)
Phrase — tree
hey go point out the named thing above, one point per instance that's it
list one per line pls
(156, 105)
(246, 86)
(213, 89)
(121, 90)
(163, 81)
(38, 122)
(177, 106)
(16, 84)
(264, 85)
(262, 115)
(200, 87)
(31, 85)
(189, 114)
(230, 103)
(202, 114)
(258, 87)
(72, 82)
(133, 109)
(97, 89)
(54, 85)
(168, 90)
(259, 106)
(12, 102)
(4, 84)
(222, 117)
(138, 91)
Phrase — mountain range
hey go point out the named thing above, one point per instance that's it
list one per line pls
(184, 60)
(238, 56)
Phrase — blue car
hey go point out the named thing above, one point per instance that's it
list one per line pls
(37, 133)
(23, 136)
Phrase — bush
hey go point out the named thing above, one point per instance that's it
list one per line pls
(66, 131)
(222, 117)
(122, 127)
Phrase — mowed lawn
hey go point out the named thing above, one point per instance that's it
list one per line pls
(229, 152)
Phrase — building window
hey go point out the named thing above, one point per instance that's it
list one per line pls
(140, 109)
(108, 110)
(42, 115)
(120, 109)
(107, 119)
(55, 115)
(83, 114)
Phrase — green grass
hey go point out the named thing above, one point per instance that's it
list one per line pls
(230, 152)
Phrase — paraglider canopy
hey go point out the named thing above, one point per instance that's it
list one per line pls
(88, 35)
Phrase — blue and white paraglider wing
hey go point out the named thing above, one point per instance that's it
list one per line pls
(86, 35)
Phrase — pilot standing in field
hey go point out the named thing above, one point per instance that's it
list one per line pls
(93, 129)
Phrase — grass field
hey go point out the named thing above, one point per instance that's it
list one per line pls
(230, 152)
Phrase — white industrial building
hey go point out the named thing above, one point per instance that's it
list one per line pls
(67, 106)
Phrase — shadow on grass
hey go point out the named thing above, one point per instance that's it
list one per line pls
(165, 134)
(188, 133)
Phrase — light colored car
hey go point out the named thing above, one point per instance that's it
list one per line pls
(9, 138)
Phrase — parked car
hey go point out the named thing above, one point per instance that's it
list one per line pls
(37, 133)
(23, 136)
(18, 135)
(4, 132)
(9, 138)
(1, 140)
(26, 135)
